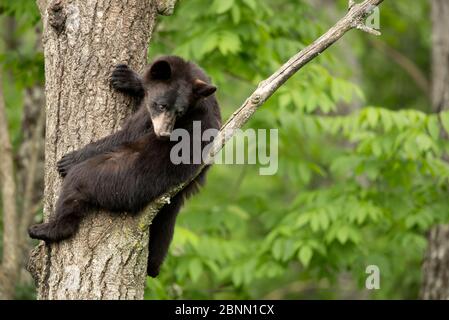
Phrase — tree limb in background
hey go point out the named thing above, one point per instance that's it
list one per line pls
(166, 7)
(406, 64)
(440, 55)
(10, 261)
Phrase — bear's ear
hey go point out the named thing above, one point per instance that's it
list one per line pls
(160, 70)
(202, 88)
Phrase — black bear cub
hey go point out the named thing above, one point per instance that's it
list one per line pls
(127, 170)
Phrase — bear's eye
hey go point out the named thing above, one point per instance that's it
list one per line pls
(160, 106)
(179, 113)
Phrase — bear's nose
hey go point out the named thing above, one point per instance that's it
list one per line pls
(164, 135)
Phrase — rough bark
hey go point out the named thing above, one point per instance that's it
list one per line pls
(82, 41)
(436, 263)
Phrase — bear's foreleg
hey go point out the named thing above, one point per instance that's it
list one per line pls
(126, 81)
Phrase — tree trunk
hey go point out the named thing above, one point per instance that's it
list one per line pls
(436, 263)
(9, 267)
(83, 40)
(440, 54)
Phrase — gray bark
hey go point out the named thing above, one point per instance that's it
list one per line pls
(436, 263)
(82, 42)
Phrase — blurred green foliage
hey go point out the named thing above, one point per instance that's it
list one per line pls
(21, 62)
(361, 176)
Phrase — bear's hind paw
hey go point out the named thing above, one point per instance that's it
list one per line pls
(48, 232)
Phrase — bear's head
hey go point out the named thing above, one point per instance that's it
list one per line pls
(173, 87)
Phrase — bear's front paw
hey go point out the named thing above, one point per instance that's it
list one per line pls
(66, 163)
(125, 80)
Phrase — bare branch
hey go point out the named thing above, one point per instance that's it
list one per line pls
(266, 88)
(367, 29)
(351, 4)
(166, 7)
(42, 5)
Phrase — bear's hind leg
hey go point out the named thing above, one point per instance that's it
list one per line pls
(65, 222)
(163, 225)
(161, 234)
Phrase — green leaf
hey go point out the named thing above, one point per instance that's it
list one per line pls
(238, 211)
(424, 142)
(433, 127)
(208, 44)
(305, 255)
(235, 12)
(342, 235)
(277, 249)
(221, 6)
(284, 100)
(290, 248)
(195, 269)
(323, 219)
(250, 3)
(237, 276)
(229, 42)
(302, 220)
(444, 116)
